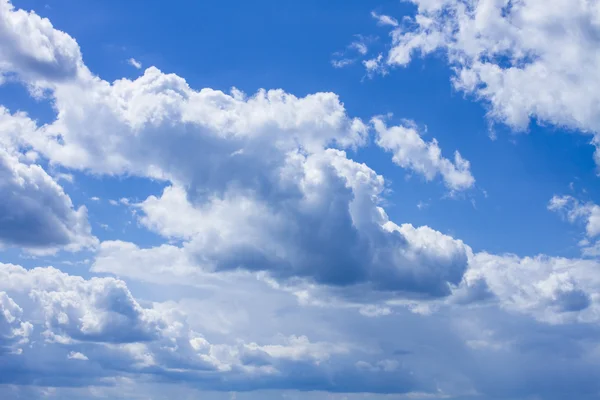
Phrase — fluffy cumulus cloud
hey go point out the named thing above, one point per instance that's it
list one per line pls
(324, 224)
(277, 265)
(35, 211)
(412, 152)
(99, 310)
(586, 213)
(576, 211)
(529, 59)
(551, 289)
(33, 49)
(13, 330)
(266, 174)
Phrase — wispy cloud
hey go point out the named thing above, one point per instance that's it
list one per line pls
(134, 63)
(384, 19)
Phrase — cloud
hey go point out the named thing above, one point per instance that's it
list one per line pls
(360, 47)
(98, 310)
(134, 63)
(384, 19)
(14, 128)
(353, 52)
(268, 174)
(551, 289)
(532, 59)
(300, 233)
(14, 332)
(325, 226)
(234, 126)
(472, 344)
(284, 270)
(75, 355)
(99, 321)
(474, 341)
(344, 62)
(412, 152)
(574, 210)
(36, 213)
(375, 65)
(35, 50)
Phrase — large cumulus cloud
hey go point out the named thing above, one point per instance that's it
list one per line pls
(324, 224)
(267, 174)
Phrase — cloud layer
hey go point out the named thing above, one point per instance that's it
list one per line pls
(278, 267)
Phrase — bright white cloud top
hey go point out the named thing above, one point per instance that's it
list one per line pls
(275, 266)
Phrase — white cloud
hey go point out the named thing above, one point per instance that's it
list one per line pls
(384, 19)
(14, 332)
(412, 152)
(529, 59)
(353, 52)
(360, 47)
(422, 204)
(158, 214)
(575, 211)
(36, 212)
(35, 50)
(14, 128)
(551, 289)
(375, 66)
(65, 177)
(75, 355)
(299, 348)
(344, 62)
(164, 264)
(280, 237)
(99, 309)
(134, 63)
(228, 123)
(290, 235)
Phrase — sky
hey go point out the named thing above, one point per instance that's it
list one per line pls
(334, 200)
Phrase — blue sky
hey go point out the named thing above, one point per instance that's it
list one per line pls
(319, 200)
